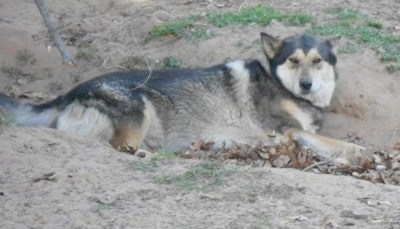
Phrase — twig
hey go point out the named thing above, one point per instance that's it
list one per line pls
(147, 78)
(53, 31)
(148, 67)
(318, 164)
(104, 65)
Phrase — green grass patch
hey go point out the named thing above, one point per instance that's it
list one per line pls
(172, 28)
(182, 27)
(391, 68)
(164, 156)
(144, 166)
(86, 53)
(205, 176)
(349, 48)
(346, 15)
(153, 164)
(172, 62)
(360, 29)
(193, 26)
(4, 120)
(375, 24)
(259, 15)
(101, 206)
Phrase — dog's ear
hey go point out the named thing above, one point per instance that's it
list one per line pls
(271, 45)
(334, 43)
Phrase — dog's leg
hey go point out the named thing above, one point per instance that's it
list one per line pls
(131, 130)
(329, 148)
(127, 136)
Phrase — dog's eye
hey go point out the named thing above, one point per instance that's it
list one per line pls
(294, 60)
(316, 60)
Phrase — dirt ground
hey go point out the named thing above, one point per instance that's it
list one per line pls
(51, 179)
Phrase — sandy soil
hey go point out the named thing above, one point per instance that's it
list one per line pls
(50, 179)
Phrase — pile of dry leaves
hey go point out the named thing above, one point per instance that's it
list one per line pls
(379, 167)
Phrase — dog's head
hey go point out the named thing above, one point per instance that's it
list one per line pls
(305, 65)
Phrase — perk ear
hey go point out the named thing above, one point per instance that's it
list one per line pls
(271, 45)
(334, 43)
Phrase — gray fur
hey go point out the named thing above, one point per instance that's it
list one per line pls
(237, 101)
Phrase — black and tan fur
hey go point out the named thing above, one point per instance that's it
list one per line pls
(284, 91)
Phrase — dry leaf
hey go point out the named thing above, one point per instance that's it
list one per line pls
(381, 167)
(281, 161)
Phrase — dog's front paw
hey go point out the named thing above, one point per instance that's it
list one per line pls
(354, 148)
(352, 154)
(122, 146)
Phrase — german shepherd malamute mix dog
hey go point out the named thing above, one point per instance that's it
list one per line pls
(282, 92)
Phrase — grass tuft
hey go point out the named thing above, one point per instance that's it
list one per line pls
(375, 24)
(186, 25)
(204, 176)
(86, 53)
(144, 166)
(391, 68)
(4, 120)
(260, 15)
(172, 62)
(357, 27)
(346, 15)
(153, 164)
(164, 156)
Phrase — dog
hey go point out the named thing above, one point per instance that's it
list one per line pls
(284, 91)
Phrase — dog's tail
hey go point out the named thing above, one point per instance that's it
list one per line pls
(45, 114)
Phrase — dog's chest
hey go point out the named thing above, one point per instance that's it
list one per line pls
(309, 118)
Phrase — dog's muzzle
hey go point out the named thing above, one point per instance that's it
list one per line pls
(305, 85)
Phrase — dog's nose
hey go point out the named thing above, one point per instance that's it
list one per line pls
(305, 84)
